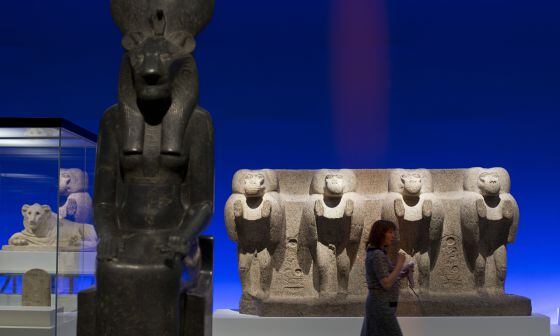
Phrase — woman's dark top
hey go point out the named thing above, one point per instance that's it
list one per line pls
(380, 307)
(378, 266)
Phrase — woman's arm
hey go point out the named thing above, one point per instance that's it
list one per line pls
(388, 281)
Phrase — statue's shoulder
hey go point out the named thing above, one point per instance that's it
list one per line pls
(110, 118)
(111, 113)
(201, 114)
(201, 120)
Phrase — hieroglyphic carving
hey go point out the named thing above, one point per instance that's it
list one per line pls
(450, 254)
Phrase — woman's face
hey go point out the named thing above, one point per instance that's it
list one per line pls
(389, 237)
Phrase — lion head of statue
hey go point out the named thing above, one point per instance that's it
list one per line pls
(36, 219)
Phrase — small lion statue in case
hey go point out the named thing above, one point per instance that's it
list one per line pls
(41, 230)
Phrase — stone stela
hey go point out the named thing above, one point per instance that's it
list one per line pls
(301, 238)
(36, 288)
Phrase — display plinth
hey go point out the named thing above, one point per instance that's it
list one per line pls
(36, 321)
(19, 316)
(298, 307)
(69, 263)
(66, 327)
(464, 304)
(231, 323)
(555, 330)
(428, 305)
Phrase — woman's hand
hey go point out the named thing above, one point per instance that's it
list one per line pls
(401, 257)
(388, 281)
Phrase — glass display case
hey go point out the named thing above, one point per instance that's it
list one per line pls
(47, 239)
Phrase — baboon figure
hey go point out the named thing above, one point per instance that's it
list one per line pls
(489, 221)
(334, 231)
(418, 214)
(255, 220)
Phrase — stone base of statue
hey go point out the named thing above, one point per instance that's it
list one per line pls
(464, 304)
(410, 304)
(297, 307)
(232, 323)
(194, 309)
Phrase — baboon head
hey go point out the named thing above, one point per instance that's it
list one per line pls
(489, 183)
(334, 185)
(412, 184)
(254, 183)
(71, 181)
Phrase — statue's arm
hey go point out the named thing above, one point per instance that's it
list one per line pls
(357, 226)
(62, 210)
(393, 207)
(199, 182)
(277, 220)
(232, 212)
(106, 175)
(470, 216)
(309, 225)
(470, 219)
(437, 217)
(511, 211)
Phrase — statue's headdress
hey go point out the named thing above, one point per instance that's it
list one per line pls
(189, 16)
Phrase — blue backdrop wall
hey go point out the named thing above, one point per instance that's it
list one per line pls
(339, 83)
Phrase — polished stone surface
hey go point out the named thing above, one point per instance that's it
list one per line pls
(154, 182)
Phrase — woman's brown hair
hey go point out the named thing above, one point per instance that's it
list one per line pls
(377, 233)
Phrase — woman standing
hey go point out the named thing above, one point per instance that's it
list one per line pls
(383, 283)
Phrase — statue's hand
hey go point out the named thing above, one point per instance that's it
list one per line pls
(349, 210)
(108, 246)
(72, 207)
(481, 208)
(399, 207)
(427, 208)
(319, 209)
(74, 241)
(177, 245)
(238, 209)
(266, 209)
(507, 209)
(19, 242)
(193, 260)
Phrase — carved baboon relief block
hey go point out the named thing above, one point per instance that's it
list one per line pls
(454, 223)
